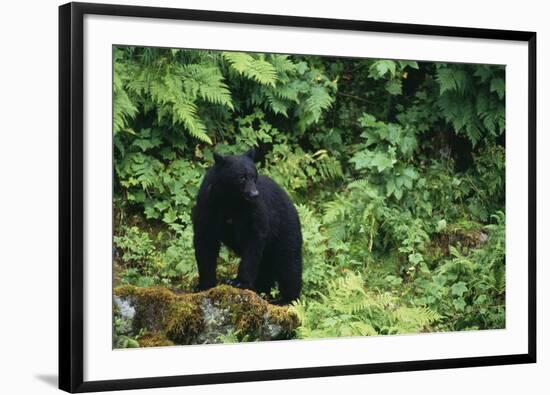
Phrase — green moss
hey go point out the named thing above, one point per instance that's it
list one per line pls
(285, 318)
(125, 291)
(154, 339)
(151, 305)
(245, 308)
(185, 321)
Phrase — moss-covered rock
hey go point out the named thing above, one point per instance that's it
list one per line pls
(466, 234)
(154, 340)
(221, 314)
(151, 305)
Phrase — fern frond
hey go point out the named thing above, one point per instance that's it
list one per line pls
(124, 108)
(282, 64)
(318, 101)
(185, 112)
(287, 92)
(451, 79)
(256, 69)
(207, 82)
(411, 320)
(335, 210)
(363, 328)
(329, 168)
(277, 105)
(169, 91)
(360, 306)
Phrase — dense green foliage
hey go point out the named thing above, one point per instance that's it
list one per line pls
(396, 167)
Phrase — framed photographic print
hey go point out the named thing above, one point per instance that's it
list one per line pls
(251, 197)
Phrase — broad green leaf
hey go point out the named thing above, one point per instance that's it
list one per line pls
(459, 304)
(382, 161)
(459, 288)
(394, 87)
(497, 85)
(380, 67)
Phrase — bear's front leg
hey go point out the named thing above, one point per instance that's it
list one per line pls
(206, 254)
(250, 263)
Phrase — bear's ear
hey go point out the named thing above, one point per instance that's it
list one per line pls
(251, 153)
(219, 159)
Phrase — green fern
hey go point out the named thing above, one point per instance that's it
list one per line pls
(329, 167)
(207, 82)
(124, 108)
(185, 111)
(318, 101)
(474, 109)
(169, 91)
(257, 69)
(348, 309)
(452, 80)
(283, 64)
(276, 104)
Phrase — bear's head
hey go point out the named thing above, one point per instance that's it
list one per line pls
(236, 175)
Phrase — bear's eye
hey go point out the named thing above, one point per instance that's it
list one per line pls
(242, 178)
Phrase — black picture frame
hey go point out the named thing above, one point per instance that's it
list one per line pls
(71, 173)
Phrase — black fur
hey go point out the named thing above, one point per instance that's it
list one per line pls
(255, 218)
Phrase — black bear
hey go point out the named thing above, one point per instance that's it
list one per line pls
(255, 218)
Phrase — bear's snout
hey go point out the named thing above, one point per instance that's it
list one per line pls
(253, 194)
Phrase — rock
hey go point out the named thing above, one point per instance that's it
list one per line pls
(221, 314)
(469, 235)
